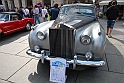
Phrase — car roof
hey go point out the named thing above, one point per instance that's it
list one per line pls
(79, 4)
(8, 12)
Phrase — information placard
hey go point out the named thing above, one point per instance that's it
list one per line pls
(57, 70)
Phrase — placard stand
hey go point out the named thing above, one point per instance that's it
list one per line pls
(57, 70)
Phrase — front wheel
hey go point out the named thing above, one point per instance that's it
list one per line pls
(28, 26)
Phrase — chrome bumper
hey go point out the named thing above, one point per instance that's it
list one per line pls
(75, 62)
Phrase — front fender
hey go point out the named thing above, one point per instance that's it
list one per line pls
(33, 40)
(98, 40)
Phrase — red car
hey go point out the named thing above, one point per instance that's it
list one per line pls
(11, 22)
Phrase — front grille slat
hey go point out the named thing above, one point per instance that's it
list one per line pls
(62, 43)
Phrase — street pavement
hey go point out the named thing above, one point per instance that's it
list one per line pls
(17, 67)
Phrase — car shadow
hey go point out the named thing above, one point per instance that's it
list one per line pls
(114, 68)
(43, 74)
(14, 37)
(121, 41)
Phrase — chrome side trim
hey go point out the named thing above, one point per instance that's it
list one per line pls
(74, 62)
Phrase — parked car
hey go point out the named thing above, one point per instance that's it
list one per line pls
(11, 22)
(76, 35)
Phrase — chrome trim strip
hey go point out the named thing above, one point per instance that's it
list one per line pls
(12, 30)
(78, 62)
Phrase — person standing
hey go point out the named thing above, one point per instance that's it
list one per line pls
(30, 11)
(44, 13)
(36, 14)
(21, 11)
(112, 16)
(16, 9)
(48, 9)
(26, 12)
(54, 12)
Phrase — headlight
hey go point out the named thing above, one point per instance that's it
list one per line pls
(41, 35)
(85, 39)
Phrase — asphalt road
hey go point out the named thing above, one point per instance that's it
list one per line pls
(17, 67)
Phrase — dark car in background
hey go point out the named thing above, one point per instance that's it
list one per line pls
(76, 35)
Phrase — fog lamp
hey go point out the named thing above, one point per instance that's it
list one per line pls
(36, 48)
(88, 55)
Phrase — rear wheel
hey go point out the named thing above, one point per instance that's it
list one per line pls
(28, 26)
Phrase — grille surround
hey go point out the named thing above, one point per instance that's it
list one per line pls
(62, 42)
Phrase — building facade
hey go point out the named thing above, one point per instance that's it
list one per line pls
(0, 2)
(10, 4)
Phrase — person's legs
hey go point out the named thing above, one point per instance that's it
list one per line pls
(108, 26)
(26, 16)
(111, 28)
(34, 20)
(110, 31)
(107, 31)
(38, 19)
(43, 19)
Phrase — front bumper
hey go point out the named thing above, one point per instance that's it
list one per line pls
(75, 61)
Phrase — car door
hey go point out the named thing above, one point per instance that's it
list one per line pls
(4, 23)
(5, 27)
(15, 23)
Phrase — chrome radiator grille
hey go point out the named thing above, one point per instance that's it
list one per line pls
(62, 43)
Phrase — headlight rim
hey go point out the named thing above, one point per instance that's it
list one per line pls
(85, 35)
(41, 32)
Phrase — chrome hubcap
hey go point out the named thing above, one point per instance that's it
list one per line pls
(28, 26)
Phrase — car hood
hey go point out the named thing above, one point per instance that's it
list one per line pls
(79, 23)
(75, 23)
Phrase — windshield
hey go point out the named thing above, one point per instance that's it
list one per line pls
(4, 17)
(78, 10)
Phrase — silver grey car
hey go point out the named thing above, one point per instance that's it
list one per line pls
(76, 35)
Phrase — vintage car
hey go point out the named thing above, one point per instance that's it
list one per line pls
(11, 22)
(76, 35)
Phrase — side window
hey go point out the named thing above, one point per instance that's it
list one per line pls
(7, 17)
(20, 17)
(14, 17)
